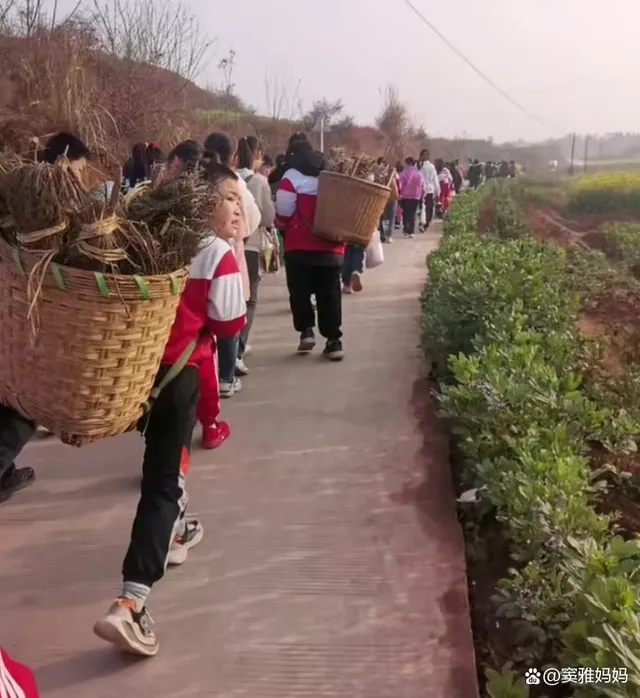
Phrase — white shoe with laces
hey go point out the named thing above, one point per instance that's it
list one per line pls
(241, 368)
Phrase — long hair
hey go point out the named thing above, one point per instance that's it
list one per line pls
(246, 154)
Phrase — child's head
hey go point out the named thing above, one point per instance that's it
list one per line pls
(184, 158)
(220, 146)
(69, 146)
(227, 215)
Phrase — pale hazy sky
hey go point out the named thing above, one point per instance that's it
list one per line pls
(574, 63)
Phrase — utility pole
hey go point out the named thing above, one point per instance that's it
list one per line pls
(573, 153)
(586, 151)
(322, 135)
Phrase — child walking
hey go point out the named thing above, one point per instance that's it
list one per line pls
(162, 534)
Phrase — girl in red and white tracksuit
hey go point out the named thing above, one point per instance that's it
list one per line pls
(312, 264)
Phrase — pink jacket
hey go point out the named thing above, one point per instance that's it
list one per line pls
(412, 184)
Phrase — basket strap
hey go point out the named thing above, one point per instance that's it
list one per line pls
(174, 370)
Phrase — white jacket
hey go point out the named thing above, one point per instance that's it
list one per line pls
(259, 187)
(431, 178)
(250, 210)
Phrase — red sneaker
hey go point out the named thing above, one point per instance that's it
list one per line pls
(215, 435)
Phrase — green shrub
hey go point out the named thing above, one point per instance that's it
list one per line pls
(478, 286)
(621, 242)
(499, 319)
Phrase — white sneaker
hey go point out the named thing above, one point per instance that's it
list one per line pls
(241, 368)
(230, 389)
(247, 349)
(127, 629)
(193, 534)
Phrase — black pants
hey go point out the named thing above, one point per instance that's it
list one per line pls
(429, 202)
(305, 280)
(15, 433)
(409, 211)
(163, 498)
(253, 269)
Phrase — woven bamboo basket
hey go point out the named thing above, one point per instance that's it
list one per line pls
(348, 209)
(89, 364)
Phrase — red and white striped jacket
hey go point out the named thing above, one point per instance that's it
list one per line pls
(16, 680)
(212, 303)
(296, 201)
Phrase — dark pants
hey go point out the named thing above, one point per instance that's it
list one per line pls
(163, 499)
(353, 262)
(227, 355)
(15, 433)
(253, 268)
(409, 211)
(305, 280)
(429, 202)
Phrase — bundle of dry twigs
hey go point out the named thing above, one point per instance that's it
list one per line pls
(41, 199)
(177, 214)
(152, 230)
(362, 167)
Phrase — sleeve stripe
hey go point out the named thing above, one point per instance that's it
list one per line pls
(8, 686)
(226, 298)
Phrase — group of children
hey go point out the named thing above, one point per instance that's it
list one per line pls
(211, 326)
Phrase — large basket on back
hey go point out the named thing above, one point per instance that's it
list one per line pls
(88, 364)
(348, 209)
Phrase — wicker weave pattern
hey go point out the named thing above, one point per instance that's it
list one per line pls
(348, 209)
(93, 360)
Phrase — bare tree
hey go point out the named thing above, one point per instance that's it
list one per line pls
(228, 65)
(28, 17)
(394, 120)
(276, 95)
(324, 109)
(162, 33)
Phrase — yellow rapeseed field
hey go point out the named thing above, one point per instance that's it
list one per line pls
(605, 192)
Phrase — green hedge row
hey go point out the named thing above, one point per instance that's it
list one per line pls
(500, 326)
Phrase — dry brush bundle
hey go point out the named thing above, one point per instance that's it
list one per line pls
(177, 214)
(363, 167)
(41, 199)
(101, 239)
(8, 161)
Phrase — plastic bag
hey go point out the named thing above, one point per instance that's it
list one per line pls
(374, 254)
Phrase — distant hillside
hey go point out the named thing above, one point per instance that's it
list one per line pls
(57, 80)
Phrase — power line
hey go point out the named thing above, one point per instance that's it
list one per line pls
(479, 72)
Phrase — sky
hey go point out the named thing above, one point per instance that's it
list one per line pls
(572, 63)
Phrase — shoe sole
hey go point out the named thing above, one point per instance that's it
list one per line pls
(118, 634)
(335, 356)
(228, 393)
(178, 556)
(306, 348)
